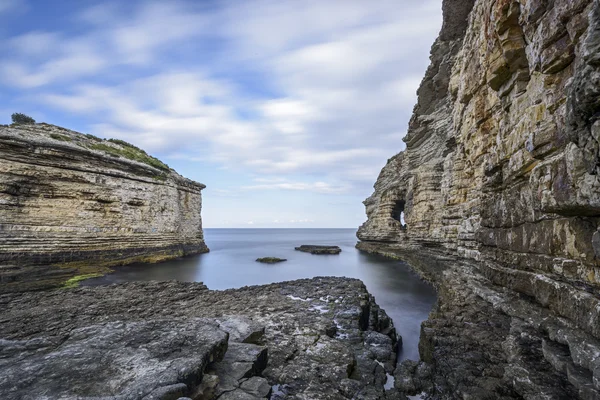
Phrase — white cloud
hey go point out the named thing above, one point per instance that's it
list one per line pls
(68, 61)
(117, 39)
(316, 187)
(156, 25)
(341, 77)
(34, 43)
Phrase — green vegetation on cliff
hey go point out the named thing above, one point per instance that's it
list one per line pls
(20, 119)
(74, 281)
(129, 151)
(60, 137)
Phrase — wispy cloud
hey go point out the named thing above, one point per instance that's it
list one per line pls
(278, 89)
(316, 187)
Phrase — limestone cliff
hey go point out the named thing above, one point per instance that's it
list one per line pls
(66, 197)
(500, 184)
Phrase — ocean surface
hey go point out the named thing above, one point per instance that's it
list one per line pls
(231, 264)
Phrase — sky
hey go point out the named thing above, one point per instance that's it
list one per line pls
(285, 109)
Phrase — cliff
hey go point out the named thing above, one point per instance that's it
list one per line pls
(497, 200)
(81, 202)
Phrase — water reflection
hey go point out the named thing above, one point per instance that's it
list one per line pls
(230, 264)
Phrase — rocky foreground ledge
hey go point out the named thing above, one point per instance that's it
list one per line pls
(321, 338)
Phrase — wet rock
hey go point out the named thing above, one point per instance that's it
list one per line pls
(319, 249)
(404, 377)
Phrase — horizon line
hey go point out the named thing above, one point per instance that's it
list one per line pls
(258, 227)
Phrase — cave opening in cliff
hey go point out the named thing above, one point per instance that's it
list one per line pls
(398, 212)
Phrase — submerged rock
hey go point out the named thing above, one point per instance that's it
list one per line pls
(271, 260)
(319, 249)
(165, 340)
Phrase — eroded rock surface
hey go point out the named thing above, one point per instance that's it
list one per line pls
(322, 338)
(496, 200)
(66, 197)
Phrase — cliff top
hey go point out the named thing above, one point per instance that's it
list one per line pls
(117, 152)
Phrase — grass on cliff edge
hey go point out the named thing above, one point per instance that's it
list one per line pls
(74, 281)
(62, 138)
(131, 152)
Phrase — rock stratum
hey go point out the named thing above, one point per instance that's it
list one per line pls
(81, 202)
(496, 199)
(321, 338)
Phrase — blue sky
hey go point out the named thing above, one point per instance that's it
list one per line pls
(285, 109)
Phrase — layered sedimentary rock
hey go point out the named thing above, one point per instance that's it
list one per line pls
(66, 197)
(322, 338)
(500, 185)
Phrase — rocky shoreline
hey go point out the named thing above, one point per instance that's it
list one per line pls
(483, 340)
(321, 338)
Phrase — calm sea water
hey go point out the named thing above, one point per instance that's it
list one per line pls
(231, 264)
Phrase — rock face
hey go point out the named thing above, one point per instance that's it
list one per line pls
(67, 197)
(499, 184)
(322, 338)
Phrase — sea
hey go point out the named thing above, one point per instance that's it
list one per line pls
(231, 264)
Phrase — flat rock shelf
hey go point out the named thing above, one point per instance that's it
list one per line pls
(320, 338)
(312, 249)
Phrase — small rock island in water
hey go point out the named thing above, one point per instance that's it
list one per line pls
(312, 249)
(270, 260)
